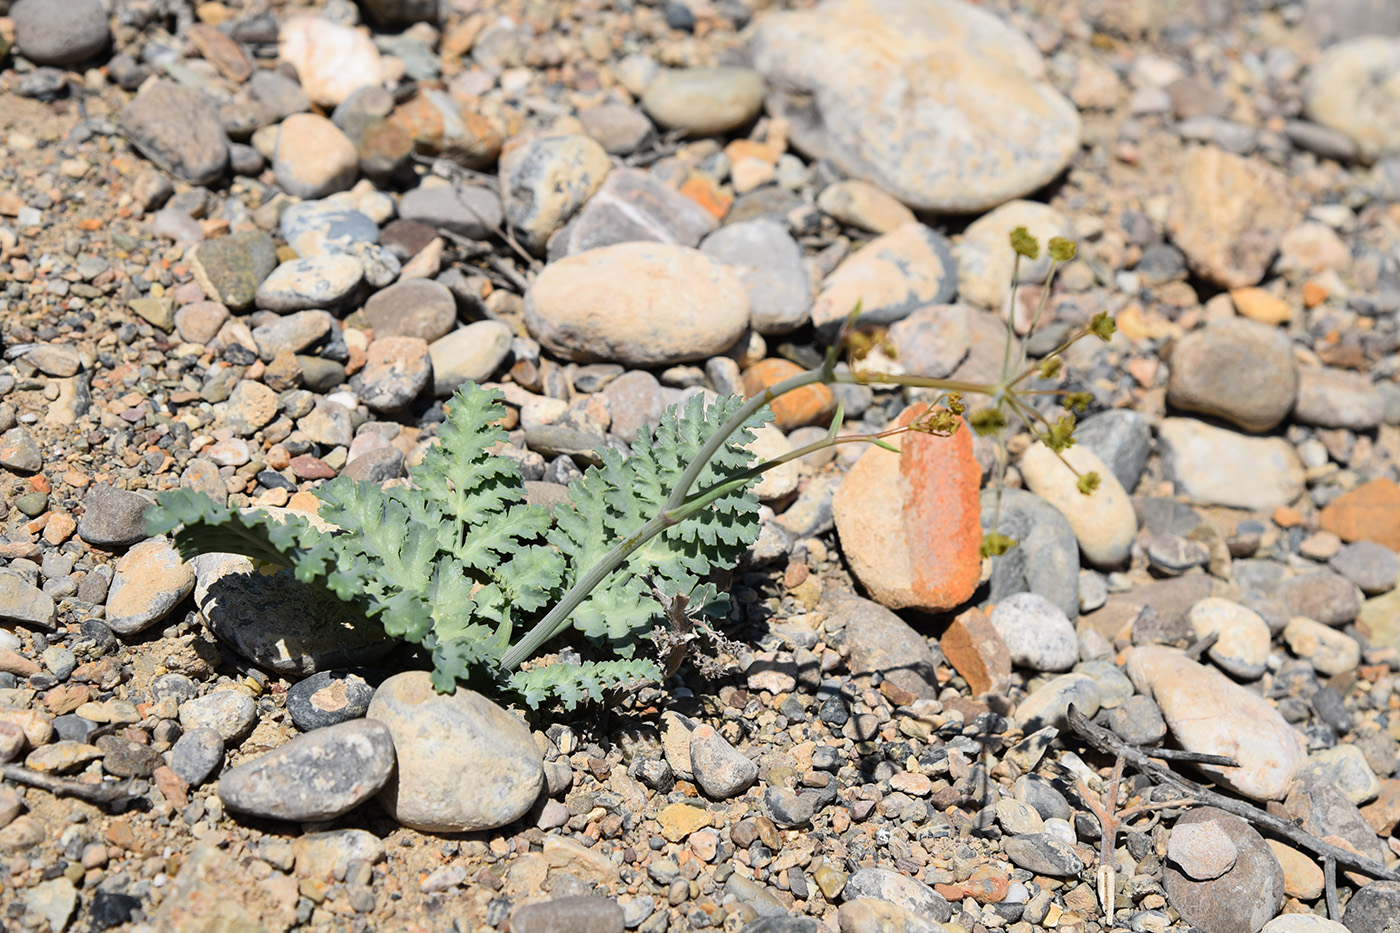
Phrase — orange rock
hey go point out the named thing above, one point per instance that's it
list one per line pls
(1314, 293)
(1285, 516)
(1370, 512)
(809, 405)
(975, 649)
(748, 149)
(987, 885)
(707, 194)
(1261, 305)
(1383, 815)
(439, 126)
(909, 522)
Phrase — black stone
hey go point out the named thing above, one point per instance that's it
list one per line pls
(330, 697)
(1374, 908)
(109, 909)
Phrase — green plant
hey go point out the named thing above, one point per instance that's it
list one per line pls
(457, 561)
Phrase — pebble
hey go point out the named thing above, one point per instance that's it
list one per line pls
(178, 129)
(813, 404)
(314, 228)
(545, 181)
(1235, 369)
(197, 754)
(473, 211)
(1043, 854)
(704, 101)
(1323, 597)
(113, 518)
(313, 157)
(1344, 767)
(1036, 632)
(1373, 907)
(1242, 646)
(327, 698)
(985, 258)
(464, 764)
(1228, 214)
(1349, 89)
(297, 332)
(933, 341)
(881, 642)
(1215, 466)
(1302, 878)
(909, 523)
(1336, 398)
(1329, 651)
(1303, 923)
(412, 308)
(331, 60)
(780, 482)
(62, 757)
(1047, 705)
(1202, 850)
(1242, 899)
(829, 71)
(719, 768)
(1372, 567)
(1138, 721)
(25, 604)
(231, 713)
(54, 899)
(229, 269)
(891, 276)
(769, 263)
(1104, 522)
(976, 651)
(883, 884)
(635, 400)
(1045, 560)
(438, 126)
(251, 407)
(632, 206)
(60, 32)
(150, 581)
(126, 758)
(680, 305)
(469, 354)
(576, 914)
(199, 321)
(1122, 439)
(860, 204)
(618, 128)
(326, 281)
(1206, 712)
(316, 776)
(396, 370)
(1366, 513)
(19, 451)
(872, 915)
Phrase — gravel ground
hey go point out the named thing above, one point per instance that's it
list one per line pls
(249, 246)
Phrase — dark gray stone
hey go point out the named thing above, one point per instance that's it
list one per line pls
(1122, 439)
(1371, 566)
(1241, 900)
(330, 697)
(881, 642)
(1046, 558)
(196, 755)
(178, 128)
(1323, 597)
(113, 518)
(1043, 854)
(231, 268)
(1375, 908)
(578, 914)
(126, 758)
(316, 776)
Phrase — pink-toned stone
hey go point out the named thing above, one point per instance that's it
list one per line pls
(909, 522)
(1207, 712)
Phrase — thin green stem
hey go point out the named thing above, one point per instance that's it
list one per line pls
(1039, 310)
(557, 617)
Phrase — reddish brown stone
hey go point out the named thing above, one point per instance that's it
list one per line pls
(1370, 512)
(1383, 815)
(975, 649)
(910, 522)
(809, 405)
(309, 467)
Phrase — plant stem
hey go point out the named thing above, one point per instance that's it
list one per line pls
(680, 505)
